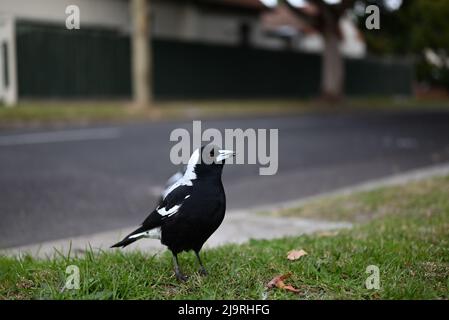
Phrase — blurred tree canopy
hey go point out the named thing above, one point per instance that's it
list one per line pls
(324, 16)
(420, 29)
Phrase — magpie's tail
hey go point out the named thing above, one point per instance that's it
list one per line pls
(130, 238)
(124, 243)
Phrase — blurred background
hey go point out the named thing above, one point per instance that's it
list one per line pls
(357, 93)
(217, 49)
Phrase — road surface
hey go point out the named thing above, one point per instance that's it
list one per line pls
(69, 182)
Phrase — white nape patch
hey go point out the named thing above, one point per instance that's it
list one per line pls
(151, 234)
(187, 196)
(178, 175)
(168, 212)
(190, 171)
(188, 176)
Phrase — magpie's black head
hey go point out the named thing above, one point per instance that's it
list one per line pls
(208, 161)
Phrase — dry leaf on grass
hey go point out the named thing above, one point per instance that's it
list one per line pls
(295, 254)
(291, 289)
(277, 279)
(278, 282)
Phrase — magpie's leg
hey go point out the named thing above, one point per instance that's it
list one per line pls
(203, 270)
(178, 272)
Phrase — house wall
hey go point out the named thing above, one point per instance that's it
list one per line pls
(190, 22)
(176, 20)
(8, 72)
(352, 46)
(104, 13)
(170, 20)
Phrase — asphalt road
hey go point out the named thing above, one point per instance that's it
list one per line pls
(63, 183)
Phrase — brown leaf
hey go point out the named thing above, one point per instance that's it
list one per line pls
(291, 289)
(278, 282)
(295, 254)
(274, 282)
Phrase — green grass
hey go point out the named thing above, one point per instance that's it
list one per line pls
(53, 111)
(425, 195)
(49, 113)
(407, 238)
(58, 112)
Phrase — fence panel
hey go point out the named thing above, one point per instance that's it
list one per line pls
(92, 63)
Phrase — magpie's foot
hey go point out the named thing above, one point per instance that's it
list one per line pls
(181, 277)
(203, 272)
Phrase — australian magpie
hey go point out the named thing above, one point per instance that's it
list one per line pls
(191, 208)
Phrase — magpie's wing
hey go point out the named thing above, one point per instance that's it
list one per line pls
(168, 207)
(174, 178)
(170, 183)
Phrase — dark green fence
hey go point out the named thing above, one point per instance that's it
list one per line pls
(374, 76)
(88, 63)
(55, 62)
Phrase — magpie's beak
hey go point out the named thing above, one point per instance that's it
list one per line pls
(224, 154)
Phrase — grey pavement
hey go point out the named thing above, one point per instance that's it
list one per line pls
(237, 227)
(59, 185)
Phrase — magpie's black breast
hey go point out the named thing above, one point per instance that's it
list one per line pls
(197, 219)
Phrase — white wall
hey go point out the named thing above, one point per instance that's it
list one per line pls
(172, 20)
(175, 21)
(191, 22)
(8, 94)
(218, 28)
(261, 40)
(312, 43)
(168, 19)
(107, 13)
(352, 45)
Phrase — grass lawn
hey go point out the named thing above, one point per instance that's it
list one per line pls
(53, 112)
(405, 232)
(57, 112)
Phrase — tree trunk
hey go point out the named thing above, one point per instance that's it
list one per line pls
(332, 70)
(141, 54)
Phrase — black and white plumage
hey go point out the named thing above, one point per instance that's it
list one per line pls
(191, 207)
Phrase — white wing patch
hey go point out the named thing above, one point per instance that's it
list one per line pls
(180, 182)
(170, 182)
(189, 175)
(152, 234)
(163, 212)
(190, 170)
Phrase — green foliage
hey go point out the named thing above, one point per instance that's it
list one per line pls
(416, 26)
(394, 36)
(429, 24)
